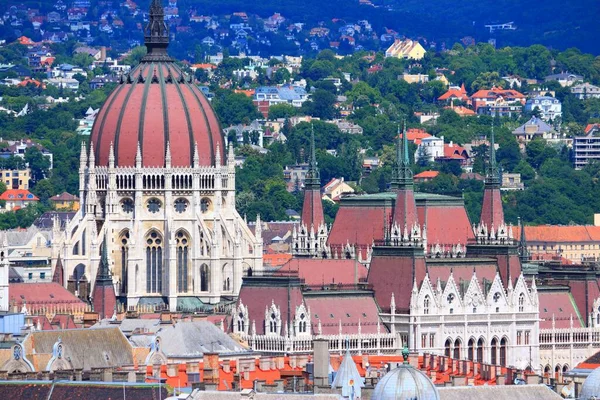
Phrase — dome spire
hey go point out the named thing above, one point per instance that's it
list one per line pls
(156, 34)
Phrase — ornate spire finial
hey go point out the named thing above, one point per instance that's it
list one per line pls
(492, 176)
(83, 155)
(156, 34)
(196, 156)
(111, 156)
(313, 177)
(92, 157)
(104, 271)
(523, 252)
(168, 155)
(138, 156)
(402, 176)
(405, 354)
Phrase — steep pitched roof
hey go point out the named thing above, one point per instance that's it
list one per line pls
(86, 348)
(41, 294)
(561, 233)
(18, 194)
(319, 271)
(559, 305)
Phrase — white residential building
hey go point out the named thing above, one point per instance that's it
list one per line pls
(549, 107)
(586, 91)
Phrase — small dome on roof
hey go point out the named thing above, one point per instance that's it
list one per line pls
(405, 383)
(591, 386)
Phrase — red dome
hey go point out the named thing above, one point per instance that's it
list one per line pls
(154, 105)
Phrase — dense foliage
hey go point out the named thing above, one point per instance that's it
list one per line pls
(379, 102)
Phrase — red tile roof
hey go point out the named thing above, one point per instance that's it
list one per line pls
(18, 194)
(446, 224)
(319, 271)
(460, 94)
(350, 310)
(349, 225)
(49, 293)
(416, 135)
(258, 298)
(561, 305)
(427, 175)
(560, 233)
(461, 110)
(454, 151)
(64, 196)
(276, 259)
(492, 213)
(497, 92)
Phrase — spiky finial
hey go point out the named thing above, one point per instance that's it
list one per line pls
(168, 155)
(156, 33)
(492, 177)
(111, 156)
(313, 176)
(402, 175)
(523, 252)
(138, 156)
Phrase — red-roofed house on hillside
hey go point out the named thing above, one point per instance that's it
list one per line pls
(426, 176)
(17, 198)
(488, 97)
(454, 152)
(416, 135)
(455, 93)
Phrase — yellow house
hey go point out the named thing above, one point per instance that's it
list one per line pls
(65, 201)
(16, 179)
(406, 49)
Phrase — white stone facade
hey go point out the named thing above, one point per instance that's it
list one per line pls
(493, 325)
(172, 232)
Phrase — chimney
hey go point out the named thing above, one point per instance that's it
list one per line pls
(211, 368)
(321, 362)
(102, 53)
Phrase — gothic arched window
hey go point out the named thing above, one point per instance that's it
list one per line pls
(204, 278)
(302, 324)
(521, 302)
(154, 262)
(273, 323)
(240, 323)
(426, 305)
(124, 245)
(183, 256)
(503, 351)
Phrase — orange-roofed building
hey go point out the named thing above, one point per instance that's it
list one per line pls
(426, 176)
(573, 243)
(461, 111)
(25, 41)
(276, 259)
(486, 97)
(17, 198)
(247, 92)
(416, 135)
(455, 93)
(204, 66)
(29, 81)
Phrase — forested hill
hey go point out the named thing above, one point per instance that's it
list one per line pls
(555, 23)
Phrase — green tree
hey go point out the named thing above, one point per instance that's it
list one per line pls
(38, 163)
(234, 108)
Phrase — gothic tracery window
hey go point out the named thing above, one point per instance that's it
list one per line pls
(154, 205)
(181, 205)
(127, 205)
(154, 262)
(183, 255)
(426, 305)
